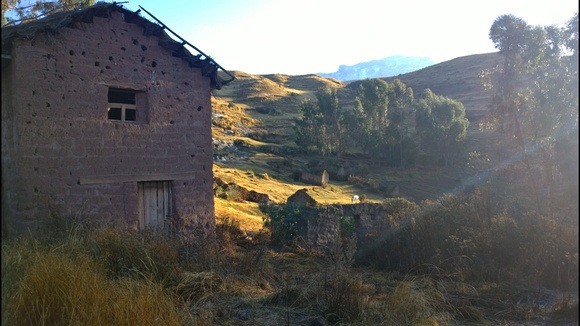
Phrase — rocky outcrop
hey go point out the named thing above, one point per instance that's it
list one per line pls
(232, 191)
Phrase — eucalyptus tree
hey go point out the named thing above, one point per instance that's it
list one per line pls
(400, 113)
(441, 125)
(536, 93)
(319, 126)
(371, 120)
(332, 120)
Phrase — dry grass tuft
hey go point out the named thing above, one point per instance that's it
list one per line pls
(195, 286)
(58, 290)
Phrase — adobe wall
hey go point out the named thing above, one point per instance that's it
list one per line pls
(62, 135)
(323, 222)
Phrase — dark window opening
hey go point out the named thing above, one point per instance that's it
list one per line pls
(124, 96)
(115, 114)
(121, 105)
(130, 114)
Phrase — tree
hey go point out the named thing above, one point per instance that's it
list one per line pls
(318, 127)
(441, 125)
(14, 11)
(307, 127)
(370, 115)
(536, 94)
(400, 110)
(329, 107)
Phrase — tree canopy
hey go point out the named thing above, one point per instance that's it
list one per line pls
(14, 11)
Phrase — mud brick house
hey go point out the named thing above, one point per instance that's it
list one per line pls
(104, 115)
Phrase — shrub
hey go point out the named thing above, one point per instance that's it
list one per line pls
(344, 298)
(285, 222)
(457, 236)
(346, 226)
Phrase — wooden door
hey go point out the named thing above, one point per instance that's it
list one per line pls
(154, 204)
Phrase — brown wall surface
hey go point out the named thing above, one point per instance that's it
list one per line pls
(61, 151)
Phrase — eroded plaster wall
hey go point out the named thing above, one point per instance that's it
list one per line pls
(64, 142)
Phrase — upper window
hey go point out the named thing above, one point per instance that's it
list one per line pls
(121, 105)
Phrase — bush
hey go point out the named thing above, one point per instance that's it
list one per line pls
(285, 222)
(347, 227)
(456, 237)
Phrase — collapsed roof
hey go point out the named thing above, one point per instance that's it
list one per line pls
(52, 24)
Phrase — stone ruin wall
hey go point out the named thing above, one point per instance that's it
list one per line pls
(323, 222)
(56, 132)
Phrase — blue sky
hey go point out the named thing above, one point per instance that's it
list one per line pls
(309, 36)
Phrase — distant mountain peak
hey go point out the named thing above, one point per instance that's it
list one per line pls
(386, 67)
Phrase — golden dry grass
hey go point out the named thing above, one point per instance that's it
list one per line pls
(57, 290)
(279, 190)
(246, 214)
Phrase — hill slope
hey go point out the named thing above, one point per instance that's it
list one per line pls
(253, 135)
(458, 79)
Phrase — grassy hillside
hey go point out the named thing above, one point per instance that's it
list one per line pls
(253, 133)
(458, 79)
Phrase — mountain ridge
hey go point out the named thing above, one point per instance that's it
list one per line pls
(380, 68)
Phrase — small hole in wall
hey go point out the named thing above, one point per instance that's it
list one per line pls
(135, 42)
(107, 67)
(199, 108)
(153, 64)
(142, 59)
(47, 104)
(123, 48)
(71, 52)
(35, 190)
(110, 58)
(192, 155)
(171, 122)
(33, 92)
(35, 169)
(83, 53)
(135, 70)
(186, 84)
(143, 47)
(97, 63)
